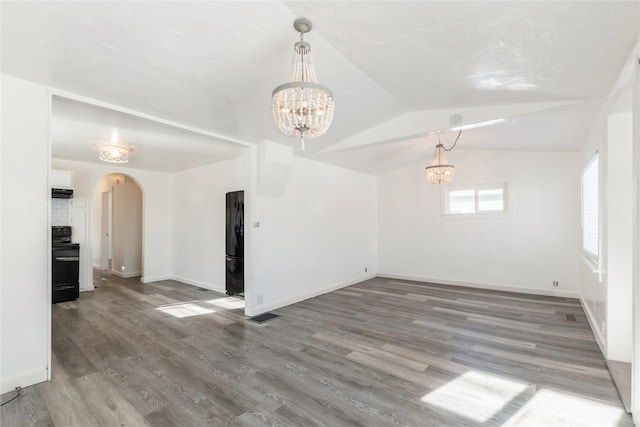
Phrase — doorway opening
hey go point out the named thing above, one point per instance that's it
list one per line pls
(119, 248)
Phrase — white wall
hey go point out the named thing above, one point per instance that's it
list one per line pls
(606, 291)
(619, 231)
(635, 363)
(317, 226)
(157, 189)
(79, 221)
(315, 235)
(523, 252)
(593, 292)
(25, 284)
(199, 221)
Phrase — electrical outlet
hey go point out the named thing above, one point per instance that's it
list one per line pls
(260, 299)
(555, 283)
(365, 269)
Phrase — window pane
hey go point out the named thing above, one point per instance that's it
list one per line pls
(590, 208)
(462, 201)
(491, 200)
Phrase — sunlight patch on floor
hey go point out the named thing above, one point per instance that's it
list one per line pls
(230, 303)
(185, 310)
(544, 407)
(475, 395)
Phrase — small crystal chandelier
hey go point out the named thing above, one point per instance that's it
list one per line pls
(302, 108)
(114, 153)
(440, 171)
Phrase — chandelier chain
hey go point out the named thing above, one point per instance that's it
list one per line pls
(454, 142)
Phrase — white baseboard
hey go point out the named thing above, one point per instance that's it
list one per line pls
(97, 267)
(24, 380)
(490, 286)
(597, 332)
(299, 298)
(127, 275)
(209, 286)
(150, 279)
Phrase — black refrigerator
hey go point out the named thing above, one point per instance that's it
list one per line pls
(234, 281)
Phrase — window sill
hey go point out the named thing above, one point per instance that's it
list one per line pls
(592, 263)
(487, 215)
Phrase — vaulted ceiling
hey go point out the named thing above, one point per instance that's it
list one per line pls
(399, 72)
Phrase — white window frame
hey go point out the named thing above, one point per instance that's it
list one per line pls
(507, 200)
(592, 258)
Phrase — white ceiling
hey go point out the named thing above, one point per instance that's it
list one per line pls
(398, 71)
(79, 129)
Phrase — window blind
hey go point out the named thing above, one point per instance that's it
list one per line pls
(590, 207)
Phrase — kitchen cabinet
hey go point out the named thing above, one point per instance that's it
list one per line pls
(61, 179)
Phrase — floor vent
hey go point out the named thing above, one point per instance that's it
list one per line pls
(261, 318)
(570, 317)
(203, 289)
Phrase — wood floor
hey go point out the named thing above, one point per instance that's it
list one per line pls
(379, 353)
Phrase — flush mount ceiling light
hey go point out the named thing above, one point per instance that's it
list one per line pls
(440, 171)
(114, 153)
(302, 108)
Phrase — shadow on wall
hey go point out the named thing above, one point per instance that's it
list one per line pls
(118, 222)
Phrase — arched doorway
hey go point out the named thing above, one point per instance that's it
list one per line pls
(117, 221)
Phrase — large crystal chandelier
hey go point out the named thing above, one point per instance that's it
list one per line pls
(440, 171)
(302, 108)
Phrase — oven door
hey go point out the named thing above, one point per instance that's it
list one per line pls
(65, 265)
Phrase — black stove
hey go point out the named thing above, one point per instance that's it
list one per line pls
(60, 234)
(65, 265)
(63, 244)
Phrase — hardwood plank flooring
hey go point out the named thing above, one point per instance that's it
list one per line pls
(378, 353)
(621, 375)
